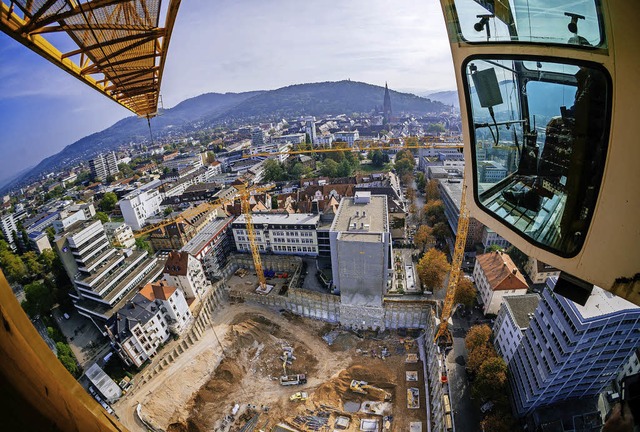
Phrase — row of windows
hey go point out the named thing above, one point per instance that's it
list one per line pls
(295, 249)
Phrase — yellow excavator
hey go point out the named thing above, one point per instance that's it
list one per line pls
(363, 387)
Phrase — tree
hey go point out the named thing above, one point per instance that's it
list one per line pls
(344, 169)
(441, 231)
(65, 355)
(12, 266)
(403, 166)
(307, 138)
(51, 233)
(491, 378)
(102, 217)
(168, 211)
(434, 212)
(411, 194)
(378, 158)
(211, 157)
(494, 248)
(274, 171)
(424, 237)
(477, 336)
(497, 422)
(111, 178)
(38, 299)
(435, 128)
(47, 258)
(477, 356)
(329, 168)
(297, 170)
(431, 190)
(465, 292)
(125, 169)
(432, 268)
(33, 265)
(421, 181)
(142, 244)
(108, 202)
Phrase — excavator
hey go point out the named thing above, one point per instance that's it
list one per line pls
(363, 387)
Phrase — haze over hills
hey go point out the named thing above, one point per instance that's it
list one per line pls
(210, 109)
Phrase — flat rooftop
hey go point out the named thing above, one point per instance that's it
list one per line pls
(200, 240)
(602, 302)
(373, 213)
(453, 188)
(281, 219)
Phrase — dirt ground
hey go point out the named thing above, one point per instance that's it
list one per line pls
(199, 391)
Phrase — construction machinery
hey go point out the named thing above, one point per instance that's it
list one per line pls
(299, 397)
(295, 379)
(443, 335)
(363, 387)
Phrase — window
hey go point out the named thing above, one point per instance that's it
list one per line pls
(577, 23)
(540, 134)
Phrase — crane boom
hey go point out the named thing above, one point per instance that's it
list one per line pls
(443, 335)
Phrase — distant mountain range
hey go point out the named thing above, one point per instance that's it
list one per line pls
(211, 109)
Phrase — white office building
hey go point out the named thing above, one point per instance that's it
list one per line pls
(349, 137)
(140, 205)
(513, 319)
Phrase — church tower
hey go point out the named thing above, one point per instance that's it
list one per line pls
(386, 108)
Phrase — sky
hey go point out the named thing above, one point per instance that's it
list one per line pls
(230, 46)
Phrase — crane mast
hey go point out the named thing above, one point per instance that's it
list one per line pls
(251, 234)
(443, 335)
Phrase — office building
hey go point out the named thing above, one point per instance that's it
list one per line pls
(513, 319)
(572, 351)
(257, 137)
(349, 137)
(140, 205)
(361, 254)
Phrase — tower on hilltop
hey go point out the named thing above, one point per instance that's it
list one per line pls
(386, 107)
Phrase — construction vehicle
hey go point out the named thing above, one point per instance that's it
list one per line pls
(299, 397)
(413, 398)
(363, 387)
(296, 379)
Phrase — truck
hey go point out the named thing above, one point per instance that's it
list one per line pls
(287, 380)
(299, 396)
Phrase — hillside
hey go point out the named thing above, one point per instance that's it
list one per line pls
(326, 98)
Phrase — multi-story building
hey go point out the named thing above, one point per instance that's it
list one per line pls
(310, 128)
(361, 254)
(146, 321)
(193, 161)
(293, 234)
(120, 234)
(73, 214)
(274, 147)
(349, 137)
(189, 223)
(513, 319)
(572, 351)
(184, 271)
(257, 137)
(496, 276)
(492, 238)
(103, 166)
(9, 228)
(104, 277)
(212, 246)
(297, 138)
(140, 205)
(39, 241)
(631, 366)
(538, 271)
(451, 195)
(491, 172)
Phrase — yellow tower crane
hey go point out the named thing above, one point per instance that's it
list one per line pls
(443, 334)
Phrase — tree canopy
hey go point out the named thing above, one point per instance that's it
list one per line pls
(424, 237)
(477, 336)
(108, 202)
(432, 268)
(465, 292)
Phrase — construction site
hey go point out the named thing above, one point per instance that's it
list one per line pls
(260, 369)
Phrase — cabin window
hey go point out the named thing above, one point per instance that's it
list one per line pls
(539, 132)
(578, 23)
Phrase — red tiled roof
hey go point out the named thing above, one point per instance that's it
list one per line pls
(160, 291)
(176, 264)
(501, 272)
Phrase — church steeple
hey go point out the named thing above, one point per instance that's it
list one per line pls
(386, 107)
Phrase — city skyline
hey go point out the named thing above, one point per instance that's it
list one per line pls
(360, 41)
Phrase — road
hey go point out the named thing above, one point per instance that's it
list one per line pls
(466, 413)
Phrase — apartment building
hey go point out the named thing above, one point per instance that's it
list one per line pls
(146, 322)
(513, 319)
(140, 205)
(9, 228)
(293, 234)
(496, 277)
(212, 246)
(187, 225)
(120, 234)
(103, 166)
(538, 271)
(184, 271)
(350, 137)
(572, 351)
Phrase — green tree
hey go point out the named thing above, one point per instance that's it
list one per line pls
(14, 269)
(494, 248)
(47, 258)
(432, 268)
(274, 202)
(421, 181)
(168, 211)
(307, 138)
(329, 168)
(51, 233)
(344, 169)
(440, 231)
(34, 266)
(110, 178)
(108, 202)
(38, 299)
(66, 357)
(297, 170)
(102, 217)
(211, 157)
(403, 166)
(274, 171)
(125, 169)
(436, 128)
(142, 244)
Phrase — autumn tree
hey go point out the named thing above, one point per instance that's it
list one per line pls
(33, 265)
(431, 190)
(434, 212)
(432, 268)
(465, 292)
(497, 423)
(491, 378)
(478, 335)
(424, 237)
(411, 194)
(477, 356)
(12, 265)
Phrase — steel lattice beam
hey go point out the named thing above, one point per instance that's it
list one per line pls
(117, 40)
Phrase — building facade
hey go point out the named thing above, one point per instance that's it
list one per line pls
(496, 277)
(571, 351)
(538, 271)
(361, 254)
(9, 229)
(212, 246)
(492, 238)
(511, 322)
(184, 271)
(292, 234)
(140, 205)
(120, 234)
(103, 166)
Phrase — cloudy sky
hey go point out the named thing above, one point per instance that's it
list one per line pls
(231, 46)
